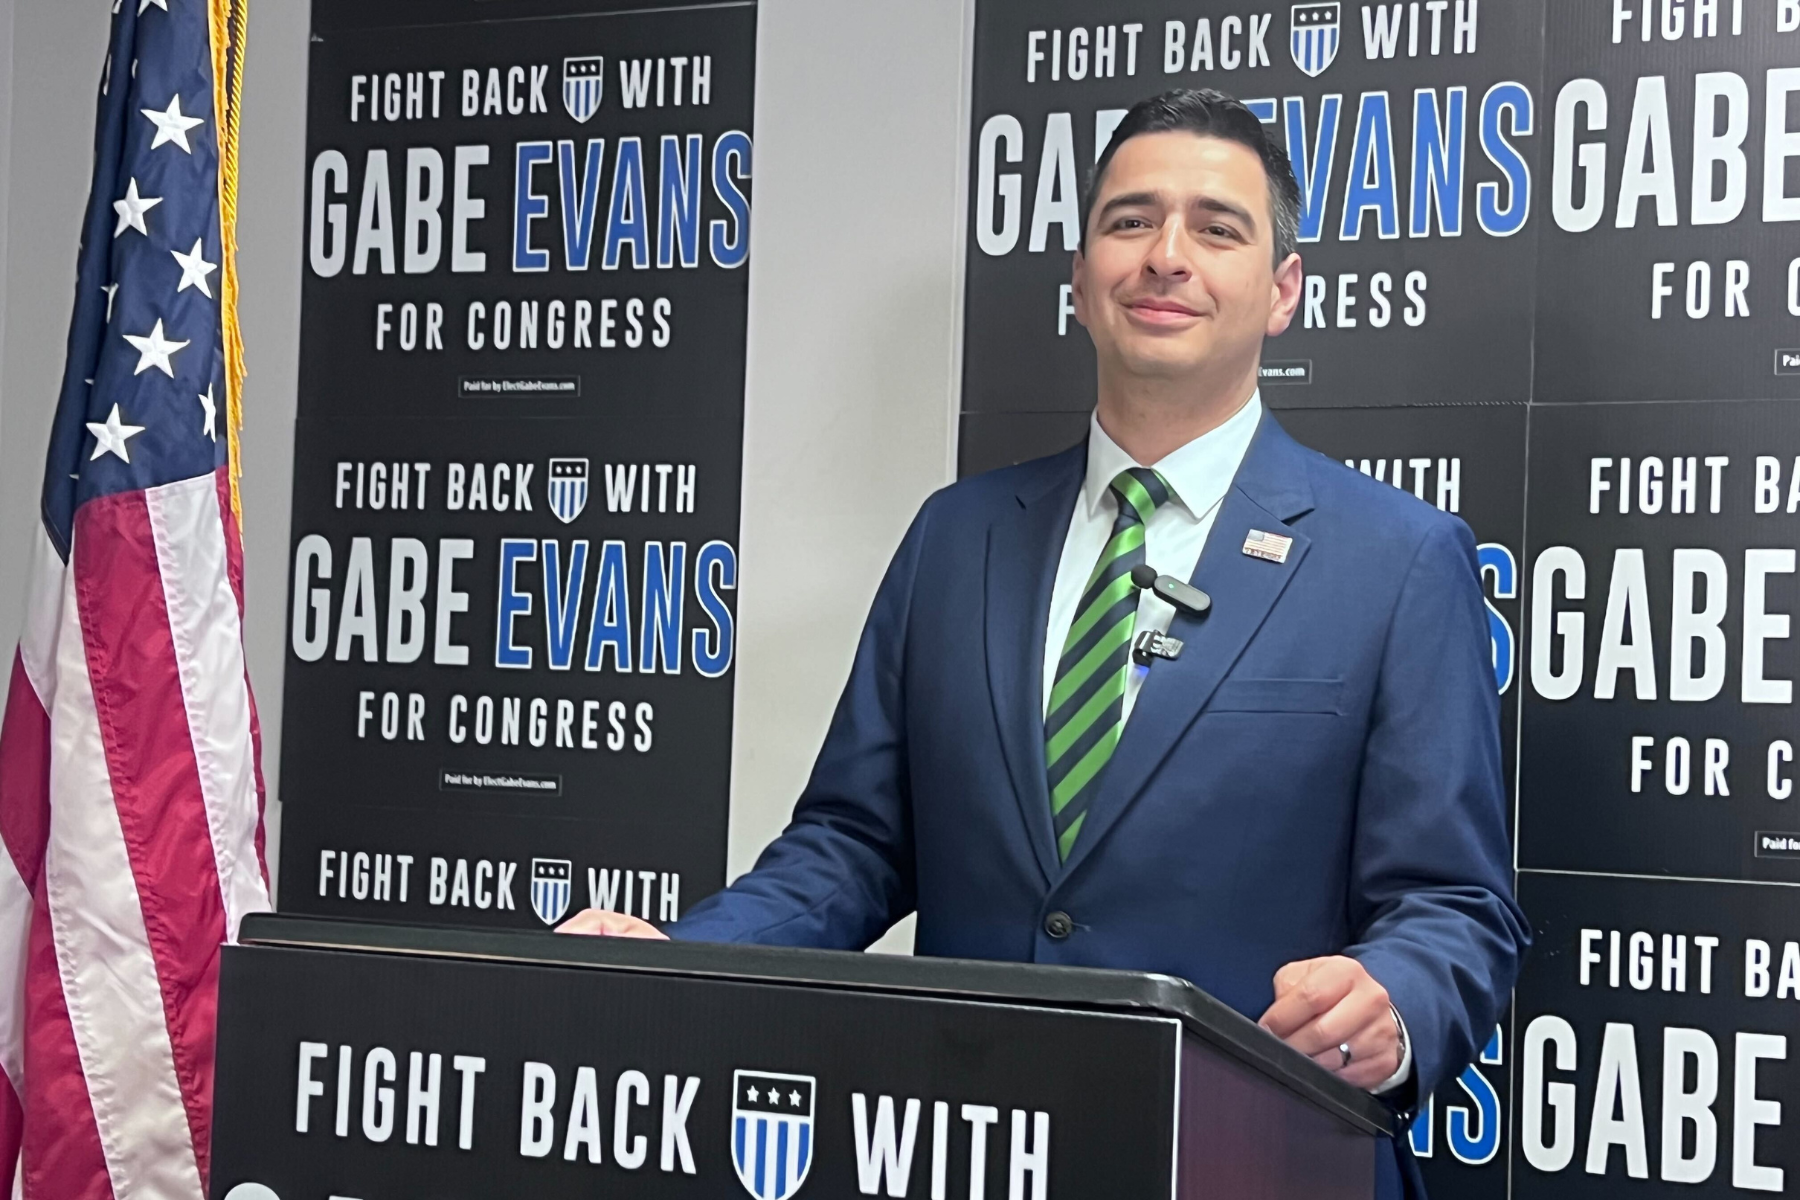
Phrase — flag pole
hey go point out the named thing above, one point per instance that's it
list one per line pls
(226, 22)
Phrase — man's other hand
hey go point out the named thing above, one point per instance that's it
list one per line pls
(1324, 1003)
(600, 922)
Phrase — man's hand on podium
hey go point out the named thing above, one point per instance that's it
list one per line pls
(600, 922)
(1322, 1004)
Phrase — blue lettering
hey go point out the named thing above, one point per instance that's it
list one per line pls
(579, 199)
(713, 647)
(1476, 1149)
(1371, 183)
(611, 623)
(730, 240)
(1437, 165)
(664, 593)
(1421, 1132)
(1504, 222)
(678, 221)
(626, 222)
(562, 599)
(1312, 171)
(513, 603)
(528, 206)
(1498, 567)
(1480, 1146)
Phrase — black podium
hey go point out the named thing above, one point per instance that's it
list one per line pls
(374, 1062)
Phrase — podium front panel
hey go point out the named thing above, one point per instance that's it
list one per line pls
(1243, 1138)
(387, 1077)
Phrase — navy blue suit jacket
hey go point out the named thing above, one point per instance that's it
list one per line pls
(1318, 773)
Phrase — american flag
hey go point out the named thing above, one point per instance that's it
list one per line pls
(130, 795)
(1272, 547)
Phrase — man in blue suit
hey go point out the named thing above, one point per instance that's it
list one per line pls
(1303, 811)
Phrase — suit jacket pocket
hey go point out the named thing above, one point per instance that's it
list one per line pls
(1279, 696)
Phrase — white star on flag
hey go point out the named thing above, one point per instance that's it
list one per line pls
(211, 408)
(110, 436)
(154, 351)
(132, 208)
(171, 126)
(143, 4)
(194, 269)
(111, 290)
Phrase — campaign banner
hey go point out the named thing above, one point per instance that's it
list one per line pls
(1415, 133)
(518, 460)
(1668, 265)
(1657, 722)
(451, 1077)
(1655, 1025)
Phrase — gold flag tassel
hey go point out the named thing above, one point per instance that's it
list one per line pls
(226, 25)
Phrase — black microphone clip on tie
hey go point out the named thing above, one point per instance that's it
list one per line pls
(1150, 645)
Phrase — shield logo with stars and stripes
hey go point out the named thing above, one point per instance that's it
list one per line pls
(771, 1131)
(583, 89)
(551, 884)
(1313, 37)
(568, 487)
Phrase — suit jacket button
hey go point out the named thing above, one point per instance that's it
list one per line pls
(1059, 925)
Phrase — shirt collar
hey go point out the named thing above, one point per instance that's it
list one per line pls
(1200, 472)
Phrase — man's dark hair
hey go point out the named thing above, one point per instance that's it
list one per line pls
(1206, 112)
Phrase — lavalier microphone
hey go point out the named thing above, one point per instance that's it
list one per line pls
(1184, 597)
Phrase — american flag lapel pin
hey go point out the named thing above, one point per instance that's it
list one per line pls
(1271, 547)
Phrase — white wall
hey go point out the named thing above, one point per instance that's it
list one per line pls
(6, 74)
(52, 72)
(855, 281)
(855, 289)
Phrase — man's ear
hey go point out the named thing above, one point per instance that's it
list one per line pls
(1284, 295)
(1078, 287)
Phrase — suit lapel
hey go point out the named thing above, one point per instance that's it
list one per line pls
(1270, 490)
(1024, 548)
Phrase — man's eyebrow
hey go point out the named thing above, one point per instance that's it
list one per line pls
(1130, 200)
(1208, 203)
(1213, 204)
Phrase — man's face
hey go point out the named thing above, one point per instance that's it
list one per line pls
(1177, 278)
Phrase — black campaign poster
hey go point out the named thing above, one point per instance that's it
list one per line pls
(451, 1078)
(1415, 133)
(1656, 1039)
(518, 458)
(1659, 717)
(1669, 265)
(1553, 261)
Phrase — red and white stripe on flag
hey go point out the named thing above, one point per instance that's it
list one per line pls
(130, 797)
(131, 810)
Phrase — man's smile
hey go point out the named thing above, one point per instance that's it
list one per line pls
(1161, 310)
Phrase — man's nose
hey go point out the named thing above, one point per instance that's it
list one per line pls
(1169, 256)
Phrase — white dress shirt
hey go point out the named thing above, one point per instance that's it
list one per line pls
(1200, 474)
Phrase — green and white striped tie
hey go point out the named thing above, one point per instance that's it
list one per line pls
(1087, 703)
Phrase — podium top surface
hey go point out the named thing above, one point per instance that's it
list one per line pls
(329, 16)
(1130, 992)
